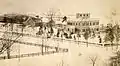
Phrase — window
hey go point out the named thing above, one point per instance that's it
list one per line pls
(90, 23)
(80, 15)
(87, 23)
(84, 24)
(79, 24)
(93, 23)
(87, 15)
(76, 23)
(97, 29)
(69, 23)
(83, 30)
(68, 29)
(97, 23)
(77, 15)
(72, 30)
(73, 23)
(84, 15)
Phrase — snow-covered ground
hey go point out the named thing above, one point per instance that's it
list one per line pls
(78, 55)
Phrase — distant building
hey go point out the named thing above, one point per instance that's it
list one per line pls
(83, 22)
(83, 15)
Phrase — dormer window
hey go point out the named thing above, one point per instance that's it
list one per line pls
(93, 23)
(97, 23)
(80, 15)
(84, 15)
(76, 23)
(87, 15)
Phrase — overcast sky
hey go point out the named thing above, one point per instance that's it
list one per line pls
(97, 8)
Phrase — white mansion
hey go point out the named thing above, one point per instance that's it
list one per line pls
(83, 21)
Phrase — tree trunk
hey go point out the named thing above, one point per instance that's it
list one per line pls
(87, 42)
(45, 49)
(42, 47)
(111, 45)
(93, 64)
(8, 53)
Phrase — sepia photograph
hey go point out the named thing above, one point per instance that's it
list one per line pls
(59, 33)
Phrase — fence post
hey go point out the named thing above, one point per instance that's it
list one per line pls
(103, 45)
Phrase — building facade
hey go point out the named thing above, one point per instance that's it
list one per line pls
(83, 22)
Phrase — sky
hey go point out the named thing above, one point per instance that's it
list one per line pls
(97, 8)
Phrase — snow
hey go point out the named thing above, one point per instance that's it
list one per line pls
(72, 57)
(78, 55)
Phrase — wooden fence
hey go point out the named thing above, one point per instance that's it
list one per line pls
(60, 39)
(31, 54)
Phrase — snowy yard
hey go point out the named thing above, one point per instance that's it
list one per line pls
(78, 55)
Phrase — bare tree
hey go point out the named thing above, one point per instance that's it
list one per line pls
(7, 41)
(9, 37)
(93, 60)
(115, 60)
(112, 33)
(109, 34)
(62, 63)
(117, 34)
(115, 30)
(52, 13)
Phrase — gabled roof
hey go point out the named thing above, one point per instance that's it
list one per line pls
(15, 18)
(21, 19)
(32, 21)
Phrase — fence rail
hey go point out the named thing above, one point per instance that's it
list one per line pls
(60, 39)
(29, 55)
(33, 44)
